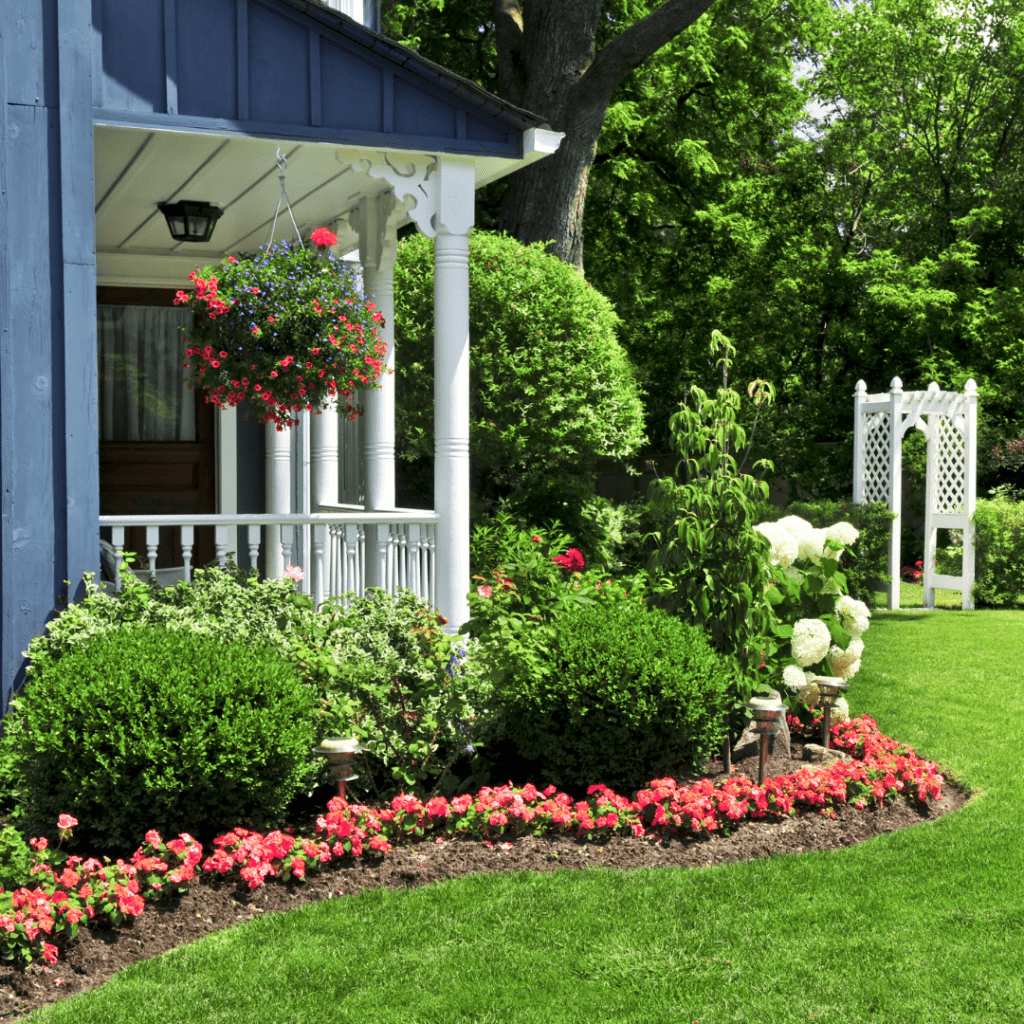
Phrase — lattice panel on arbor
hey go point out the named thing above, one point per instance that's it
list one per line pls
(876, 457)
(951, 476)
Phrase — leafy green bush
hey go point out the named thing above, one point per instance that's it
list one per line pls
(709, 564)
(523, 592)
(868, 570)
(551, 390)
(154, 728)
(223, 605)
(386, 674)
(998, 552)
(634, 694)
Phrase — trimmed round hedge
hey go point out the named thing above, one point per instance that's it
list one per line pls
(153, 728)
(637, 694)
(552, 392)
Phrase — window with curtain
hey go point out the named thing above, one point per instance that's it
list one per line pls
(142, 395)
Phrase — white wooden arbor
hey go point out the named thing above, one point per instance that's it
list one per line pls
(949, 420)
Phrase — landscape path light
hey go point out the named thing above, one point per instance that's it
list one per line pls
(829, 688)
(767, 712)
(340, 752)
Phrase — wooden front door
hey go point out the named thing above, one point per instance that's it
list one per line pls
(160, 477)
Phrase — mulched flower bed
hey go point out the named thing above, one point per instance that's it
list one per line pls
(98, 952)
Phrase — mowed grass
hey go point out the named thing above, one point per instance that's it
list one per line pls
(923, 926)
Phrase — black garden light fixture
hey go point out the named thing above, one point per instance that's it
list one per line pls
(190, 221)
(767, 713)
(830, 689)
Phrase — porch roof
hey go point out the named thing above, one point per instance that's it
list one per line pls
(180, 114)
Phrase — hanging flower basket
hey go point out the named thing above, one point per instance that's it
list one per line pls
(286, 326)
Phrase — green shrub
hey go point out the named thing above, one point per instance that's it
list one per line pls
(868, 571)
(516, 602)
(635, 693)
(223, 605)
(551, 390)
(384, 673)
(153, 728)
(998, 552)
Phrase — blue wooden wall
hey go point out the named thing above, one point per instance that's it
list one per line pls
(286, 69)
(49, 458)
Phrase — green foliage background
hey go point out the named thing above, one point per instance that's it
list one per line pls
(551, 390)
(862, 222)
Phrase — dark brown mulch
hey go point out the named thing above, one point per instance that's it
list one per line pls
(98, 952)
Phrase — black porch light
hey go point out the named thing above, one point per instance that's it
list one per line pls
(190, 221)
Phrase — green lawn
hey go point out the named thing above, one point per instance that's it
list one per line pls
(920, 926)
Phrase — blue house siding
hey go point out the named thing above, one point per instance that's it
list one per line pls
(49, 462)
(285, 69)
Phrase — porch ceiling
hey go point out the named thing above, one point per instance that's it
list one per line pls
(137, 168)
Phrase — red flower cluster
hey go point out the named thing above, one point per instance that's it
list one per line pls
(885, 770)
(571, 561)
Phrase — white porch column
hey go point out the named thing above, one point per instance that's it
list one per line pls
(454, 221)
(226, 464)
(279, 492)
(378, 242)
(323, 451)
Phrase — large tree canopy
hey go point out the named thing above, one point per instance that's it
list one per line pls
(881, 238)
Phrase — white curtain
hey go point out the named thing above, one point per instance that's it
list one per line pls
(141, 391)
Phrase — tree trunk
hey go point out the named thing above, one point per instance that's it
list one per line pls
(544, 202)
(549, 64)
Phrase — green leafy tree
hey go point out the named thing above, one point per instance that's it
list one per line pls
(709, 568)
(878, 238)
(561, 59)
(551, 391)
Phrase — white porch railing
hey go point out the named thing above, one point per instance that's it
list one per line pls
(338, 562)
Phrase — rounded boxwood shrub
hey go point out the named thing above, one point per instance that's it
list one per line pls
(635, 695)
(153, 728)
(552, 392)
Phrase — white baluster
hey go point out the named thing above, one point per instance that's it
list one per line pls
(432, 564)
(380, 559)
(187, 541)
(319, 533)
(152, 545)
(117, 539)
(253, 539)
(220, 545)
(414, 558)
(402, 542)
(286, 545)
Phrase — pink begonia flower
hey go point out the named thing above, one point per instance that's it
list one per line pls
(535, 538)
(66, 821)
(484, 591)
(293, 572)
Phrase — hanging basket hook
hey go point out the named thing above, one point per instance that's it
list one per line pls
(282, 167)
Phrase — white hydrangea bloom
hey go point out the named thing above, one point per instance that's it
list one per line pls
(812, 545)
(798, 527)
(840, 710)
(854, 615)
(794, 677)
(784, 546)
(842, 535)
(845, 663)
(811, 641)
